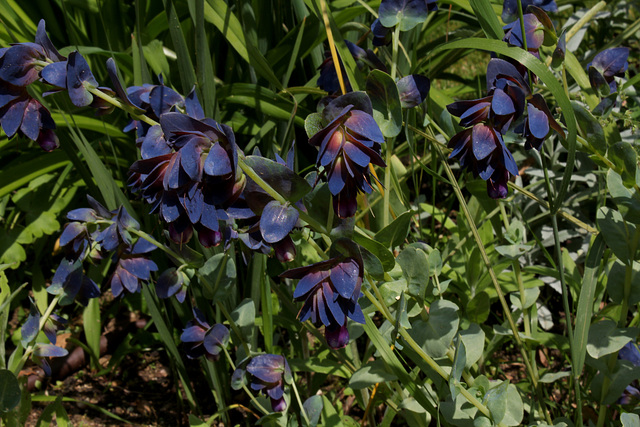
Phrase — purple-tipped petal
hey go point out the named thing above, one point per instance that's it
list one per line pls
(344, 277)
(413, 90)
(277, 221)
(484, 141)
(55, 74)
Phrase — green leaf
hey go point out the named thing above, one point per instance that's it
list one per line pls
(288, 183)
(435, 262)
(548, 78)
(616, 279)
(204, 65)
(551, 377)
(415, 268)
(313, 407)
(606, 338)
(313, 124)
(377, 249)
(478, 308)
(473, 339)
(244, 315)
(263, 100)
(385, 100)
(185, 66)
(630, 420)
(9, 391)
(625, 158)
(585, 303)
(496, 399)
(168, 341)
(372, 264)
(435, 335)
(515, 408)
(627, 200)
(616, 232)
(397, 368)
(487, 17)
(395, 233)
(371, 374)
(590, 128)
(218, 13)
(459, 363)
(530, 298)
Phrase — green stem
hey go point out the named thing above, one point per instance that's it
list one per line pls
(394, 52)
(117, 103)
(302, 410)
(489, 266)
(624, 310)
(524, 37)
(586, 18)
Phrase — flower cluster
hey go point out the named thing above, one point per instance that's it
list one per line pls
(188, 173)
(20, 113)
(93, 233)
(347, 145)
(268, 373)
(509, 105)
(330, 290)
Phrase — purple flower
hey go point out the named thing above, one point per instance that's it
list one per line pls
(346, 148)
(21, 114)
(330, 290)
(201, 339)
(631, 394)
(188, 174)
(482, 150)
(605, 66)
(172, 282)
(268, 373)
(70, 282)
(381, 34)
(133, 268)
(328, 79)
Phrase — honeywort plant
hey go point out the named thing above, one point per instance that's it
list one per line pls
(283, 194)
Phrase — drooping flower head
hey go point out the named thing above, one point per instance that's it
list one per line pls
(330, 290)
(201, 339)
(605, 66)
(272, 221)
(481, 147)
(133, 268)
(20, 113)
(268, 374)
(347, 145)
(188, 173)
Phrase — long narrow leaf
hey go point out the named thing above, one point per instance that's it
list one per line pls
(585, 304)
